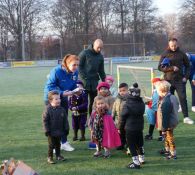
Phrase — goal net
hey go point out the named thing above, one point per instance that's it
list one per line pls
(141, 75)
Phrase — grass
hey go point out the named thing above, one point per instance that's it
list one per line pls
(21, 135)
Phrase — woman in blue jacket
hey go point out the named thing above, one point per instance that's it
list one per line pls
(63, 78)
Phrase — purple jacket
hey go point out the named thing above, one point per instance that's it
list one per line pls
(80, 102)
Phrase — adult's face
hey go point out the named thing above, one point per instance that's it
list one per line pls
(173, 45)
(73, 65)
(98, 46)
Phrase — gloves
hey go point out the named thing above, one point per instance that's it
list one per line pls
(47, 133)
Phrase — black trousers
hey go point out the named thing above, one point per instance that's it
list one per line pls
(135, 142)
(122, 137)
(91, 95)
(53, 143)
(180, 88)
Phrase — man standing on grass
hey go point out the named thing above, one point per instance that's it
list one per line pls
(175, 74)
(91, 69)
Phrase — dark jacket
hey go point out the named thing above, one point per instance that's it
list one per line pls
(192, 67)
(132, 118)
(55, 121)
(179, 59)
(167, 114)
(80, 102)
(91, 68)
(117, 108)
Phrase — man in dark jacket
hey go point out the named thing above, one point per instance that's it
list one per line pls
(91, 69)
(132, 120)
(175, 75)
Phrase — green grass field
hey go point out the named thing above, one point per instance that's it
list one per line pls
(22, 137)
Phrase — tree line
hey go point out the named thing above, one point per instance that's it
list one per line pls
(52, 28)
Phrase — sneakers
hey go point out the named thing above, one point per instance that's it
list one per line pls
(168, 157)
(91, 145)
(97, 154)
(50, 160)
(82, 139)
(193, 108)
(133, 166)
(148, 137)
(160, 138)
(107, 154)
(188, 120)
(74, 139)
(164, 152)
(141, 159)
(60, 158)
(67, 147)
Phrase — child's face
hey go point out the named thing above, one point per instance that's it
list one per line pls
(55, 101)
(100, 104)
(123, 91)
(109, 82)
(103, 91)
(161, 93)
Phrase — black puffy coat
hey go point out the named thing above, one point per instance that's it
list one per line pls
(55, 121)
(179, 59)
(132, 118)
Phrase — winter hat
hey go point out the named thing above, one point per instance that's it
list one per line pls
(103, 84)
(134, 90)
(109, 77)
(154, 80)
(165, 63)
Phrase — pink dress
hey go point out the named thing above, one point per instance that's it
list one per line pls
(111, 138)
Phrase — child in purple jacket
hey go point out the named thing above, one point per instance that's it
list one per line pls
(78, 104)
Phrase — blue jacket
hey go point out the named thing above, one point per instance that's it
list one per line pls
(192, 67)
(61, 80)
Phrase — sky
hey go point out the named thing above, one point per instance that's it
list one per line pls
(167, 6)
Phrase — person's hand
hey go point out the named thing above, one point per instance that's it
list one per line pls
(67, 93)
(119, 131)
(175, 68)
(184, 80)
(74, 108)
(47, 133)
(193, 82)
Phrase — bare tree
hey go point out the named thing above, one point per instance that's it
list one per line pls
(187, 25)
(10, 15)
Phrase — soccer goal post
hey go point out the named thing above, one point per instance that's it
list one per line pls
(141, 75)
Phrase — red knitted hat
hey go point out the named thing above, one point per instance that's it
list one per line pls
(109, 77)
(103, 84)
(154, 80)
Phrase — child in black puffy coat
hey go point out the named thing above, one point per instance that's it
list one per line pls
(132, 121)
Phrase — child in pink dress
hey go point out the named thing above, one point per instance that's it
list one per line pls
(104, 132)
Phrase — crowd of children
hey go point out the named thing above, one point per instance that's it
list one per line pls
(116, 121)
